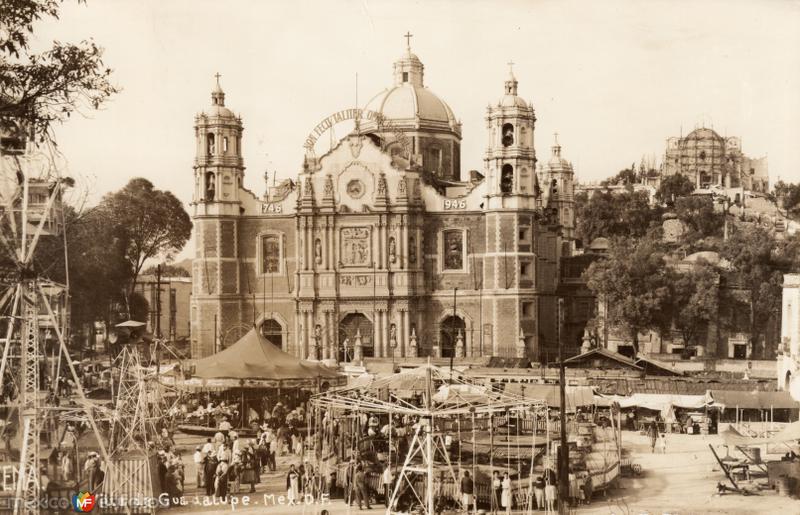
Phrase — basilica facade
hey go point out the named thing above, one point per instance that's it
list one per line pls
(381, 247)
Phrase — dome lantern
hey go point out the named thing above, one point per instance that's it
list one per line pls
(217, 95)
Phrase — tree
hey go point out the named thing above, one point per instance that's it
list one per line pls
(610, 214)
(168, 271)
(46, 87)
(757, 263)
(788, 197)
(673, 187)
(633, 283)
(624, 177)
(695, 300)
(698, 213)
(151, 223)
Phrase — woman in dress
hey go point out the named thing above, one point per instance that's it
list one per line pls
(505, 498)
(293, 485)
(249, 468)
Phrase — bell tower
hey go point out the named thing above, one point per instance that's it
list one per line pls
(218, 165)
(218, 173)
(510, 158)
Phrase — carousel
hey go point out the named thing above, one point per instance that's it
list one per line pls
(431, 426)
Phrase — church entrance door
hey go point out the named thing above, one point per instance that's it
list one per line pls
(351, 327)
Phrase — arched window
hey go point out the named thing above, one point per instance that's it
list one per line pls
(451, 331)
(211, 145)
(508, 135)
(507, 179)
(273, 332)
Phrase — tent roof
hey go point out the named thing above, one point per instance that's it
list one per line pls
(754, 399)
(789, 433)
(575, 395)
(253, 357)
(604, 353)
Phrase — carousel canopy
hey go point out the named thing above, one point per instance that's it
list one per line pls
(448, 393)
(253, 357)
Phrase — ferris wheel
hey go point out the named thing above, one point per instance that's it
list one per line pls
(33, 306)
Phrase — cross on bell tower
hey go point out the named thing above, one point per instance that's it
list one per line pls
(408, 35)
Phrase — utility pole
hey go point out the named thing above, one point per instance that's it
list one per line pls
(158, 320)
(563, 455)
(453, 334)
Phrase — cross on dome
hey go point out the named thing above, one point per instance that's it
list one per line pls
(408, 35)
(217, 95)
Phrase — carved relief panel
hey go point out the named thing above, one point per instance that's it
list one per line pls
(355, 246)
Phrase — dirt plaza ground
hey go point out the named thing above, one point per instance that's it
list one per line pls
(682, 481)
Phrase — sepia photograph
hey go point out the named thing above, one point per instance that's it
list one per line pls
(407, 257)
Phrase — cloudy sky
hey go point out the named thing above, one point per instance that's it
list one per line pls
(613, 78)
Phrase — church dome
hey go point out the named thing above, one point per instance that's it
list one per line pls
(218, 103)
(703, 133)
(510, 98)
(512, 101)
(409, 104)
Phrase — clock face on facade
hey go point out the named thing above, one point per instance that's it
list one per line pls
(355, 188)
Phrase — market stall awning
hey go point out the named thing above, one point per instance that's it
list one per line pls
(754, 399)
(255, 358)
(790, 433)
(575, 395)
(662, 401)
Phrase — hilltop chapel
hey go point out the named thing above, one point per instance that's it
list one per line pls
(383, 247)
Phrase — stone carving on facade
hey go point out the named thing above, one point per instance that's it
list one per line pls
(393, 335)
(412, 343)
(358, 353)
(412, 250)
(318, 251)
(355, 280)
(381, 190)
(459, 344)
(392, 250)
(308, 188)
(355, 246)
(356, 142)
(355, 189)
(402, 188)
(521, 345)
(328, 191)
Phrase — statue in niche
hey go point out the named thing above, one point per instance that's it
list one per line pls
(382, 186)
(401, 187)
(393, 335)
(210, 186)
(318, 251)
(412, 250)
(392, 250)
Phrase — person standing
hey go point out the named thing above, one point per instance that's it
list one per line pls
(497, 489)
(198, 465)
(292, 485)
(467, 491)
(207, 447)
(653, 433)
(505, 498)
(221, 480)
(663, 443)
(67, 472)
(361, 488)
(550, 496)
(210, 469)
(538, 492)
(386, 479)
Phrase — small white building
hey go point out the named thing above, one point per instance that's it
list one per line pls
(789, 348)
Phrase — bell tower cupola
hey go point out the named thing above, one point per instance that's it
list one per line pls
(510, 159)
(218, 164)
